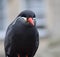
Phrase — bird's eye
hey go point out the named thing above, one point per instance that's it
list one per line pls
(24, 18)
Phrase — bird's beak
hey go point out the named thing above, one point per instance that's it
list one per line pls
(30, 20)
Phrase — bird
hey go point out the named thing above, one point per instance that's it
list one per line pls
(22, 37)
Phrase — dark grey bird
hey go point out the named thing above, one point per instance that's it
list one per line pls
(22, 38)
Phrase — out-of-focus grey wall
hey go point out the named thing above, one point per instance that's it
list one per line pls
(53, 17)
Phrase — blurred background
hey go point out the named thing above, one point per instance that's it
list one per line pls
(47, 22)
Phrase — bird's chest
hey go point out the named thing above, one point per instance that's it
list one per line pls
(25, 38)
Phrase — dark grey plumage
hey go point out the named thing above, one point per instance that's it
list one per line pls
(21, 37)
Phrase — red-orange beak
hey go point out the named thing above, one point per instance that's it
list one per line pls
(30, 20)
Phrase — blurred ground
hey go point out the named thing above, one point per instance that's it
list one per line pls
(47, 48)
(1, 48)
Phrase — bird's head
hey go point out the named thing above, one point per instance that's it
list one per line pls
(28, 17)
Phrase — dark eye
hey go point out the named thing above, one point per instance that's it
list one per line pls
(24, 15)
